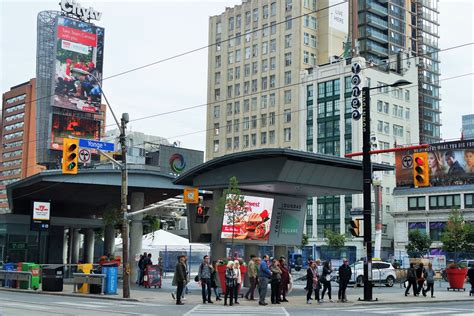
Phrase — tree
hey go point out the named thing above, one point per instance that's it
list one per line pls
(304, 241)
(335, 240)
(458, 235)
(419, 243)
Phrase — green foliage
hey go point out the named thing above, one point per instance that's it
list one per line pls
(334, 240)
(458, 236)
(418, 244)
(113, 217)
(304, 241)
(151, 224)
(232, 200)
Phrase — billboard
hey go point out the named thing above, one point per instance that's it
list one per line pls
(450, 163)
(250, 223)
(79, 51)
(64, 126)
(287, 221)
(339, 16)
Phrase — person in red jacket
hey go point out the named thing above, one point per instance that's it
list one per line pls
(285, 279)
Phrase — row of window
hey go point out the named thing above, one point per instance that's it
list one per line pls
(251, 140)
(10, 163)
(436, 229)
(11, 172)
(16, 99)
(263, 99)
(7, 182)
(437, 202)
(15, 108)
(14, 117)
(397, 110)
(252, 86)
(12, 154)
(251, 122)
(12, 144)
(384, 127)
(13, 135)
(14, 126)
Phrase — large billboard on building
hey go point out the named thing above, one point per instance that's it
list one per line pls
(288, 221)
(450, 163)
(176, 160)
(78, 62)
(64, 126)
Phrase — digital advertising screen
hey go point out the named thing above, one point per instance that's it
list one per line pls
(78, 62)
(64, 126)
(250, 223)
(450, 163)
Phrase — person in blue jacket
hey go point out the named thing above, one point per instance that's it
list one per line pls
(264, 274)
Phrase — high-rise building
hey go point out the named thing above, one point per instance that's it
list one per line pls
(468, 126)
(389, 27)
(18, 150)
(257, 52)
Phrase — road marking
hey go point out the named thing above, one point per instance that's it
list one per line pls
(236, 310)
(24, 305)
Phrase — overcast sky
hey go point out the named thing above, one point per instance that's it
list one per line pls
(142, 32)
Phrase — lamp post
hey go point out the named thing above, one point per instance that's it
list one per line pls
(122, 126)
(367, 182)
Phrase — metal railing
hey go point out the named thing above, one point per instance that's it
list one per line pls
(7, 275)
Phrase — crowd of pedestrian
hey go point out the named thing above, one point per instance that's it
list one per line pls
(416, 278)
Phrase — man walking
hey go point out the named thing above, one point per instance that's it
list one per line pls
(345, 274)
(264, 275)
(180, 279)
(205, 271)
(252, 271)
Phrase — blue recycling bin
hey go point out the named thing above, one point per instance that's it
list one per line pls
(9, 267)
(111, 277)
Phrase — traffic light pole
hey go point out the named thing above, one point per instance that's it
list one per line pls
(123, 208)
(367, 178)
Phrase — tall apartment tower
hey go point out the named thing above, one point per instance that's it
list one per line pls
(257, 52)
(18, 150)
(389, 27)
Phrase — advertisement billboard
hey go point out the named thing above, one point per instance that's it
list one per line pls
(176, 160)
(78, 62)
(287, 221)
(250, 223)
(64, 126)
(450, 163)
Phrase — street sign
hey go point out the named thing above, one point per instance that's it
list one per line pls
(356, 81)
(96, 144)
(191, 195)
(356, 211)
(407, 162)
(84, 155)
(40, 216)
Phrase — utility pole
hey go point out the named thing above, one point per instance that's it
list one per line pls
(124, 207)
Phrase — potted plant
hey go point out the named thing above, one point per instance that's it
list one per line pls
(456, 275)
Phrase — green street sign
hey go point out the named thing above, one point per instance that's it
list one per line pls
(17, 246)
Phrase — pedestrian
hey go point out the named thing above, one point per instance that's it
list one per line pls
(470, 275)
(230, 280)
(345, 274)
(140, 271)
(180, 279)
(420, 278)
(285, 279)
(264, 275)
(326, 280)
(275, 281)
(411, 278)
(429, 276)
(142, 268)
(204, 275)
(312, 282)
(252, 271)
(238, 278)
(149, 261)
(215, 282)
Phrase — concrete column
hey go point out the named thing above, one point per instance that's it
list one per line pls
(249, 250)
(65, 245)
(218, 247)
(89, 239)
(136, 233)
(76, 239)
(279, 251)
(109, 240)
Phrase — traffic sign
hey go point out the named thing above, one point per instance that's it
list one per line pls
(96, 144)
(84, 155)
(191, 195)
(407, 162)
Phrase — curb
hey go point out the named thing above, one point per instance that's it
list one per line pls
(88, 296)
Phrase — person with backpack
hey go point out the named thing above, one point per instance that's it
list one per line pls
(429, 276)
(411, 278)
(204, 276)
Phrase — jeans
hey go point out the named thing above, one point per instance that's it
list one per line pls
(326, 287)
(216, 292)
(275, 286)
(206, 283)
(179, 292)
(251, 290)
(309, 293)
(262, 289)
(341, 295)
(229, 292)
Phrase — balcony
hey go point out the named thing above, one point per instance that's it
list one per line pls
(377, 36)
(376, 8)
(377, 22)
(377, 49)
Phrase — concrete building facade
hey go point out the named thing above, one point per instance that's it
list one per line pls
(468, 126)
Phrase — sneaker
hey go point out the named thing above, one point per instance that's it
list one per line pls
(210, 302)
(173, 296)
(331, 301)
(432, 296)
(321, 301)
(308, 302)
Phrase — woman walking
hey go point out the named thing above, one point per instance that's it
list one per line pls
(275, 281)
(238, 279)
(429, 276)
(230, 281)
(312, 282)
(285, 279)
(411, 278)
(326, 280)
(215, 282)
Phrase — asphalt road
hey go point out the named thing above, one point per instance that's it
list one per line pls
(14, 303)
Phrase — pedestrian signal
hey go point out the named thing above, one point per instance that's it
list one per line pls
(202, 214)
(70, 155)
(421, 172)
(355, 227)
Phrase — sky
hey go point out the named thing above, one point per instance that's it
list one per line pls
(138, 33)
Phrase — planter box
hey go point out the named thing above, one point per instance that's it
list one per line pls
(456, 278)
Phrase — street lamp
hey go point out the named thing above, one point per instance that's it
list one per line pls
(367, 182)
(124, 186)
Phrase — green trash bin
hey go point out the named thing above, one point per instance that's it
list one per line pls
(35, 278)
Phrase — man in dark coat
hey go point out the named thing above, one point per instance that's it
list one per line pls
(180, 279)
(345, 274)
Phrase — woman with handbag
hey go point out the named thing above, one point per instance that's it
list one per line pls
(326, 280)
(312, 282)
(238, 280)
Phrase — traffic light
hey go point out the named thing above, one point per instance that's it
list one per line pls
(421, 172)
(201, 214)
(70, 155)
(355, 227)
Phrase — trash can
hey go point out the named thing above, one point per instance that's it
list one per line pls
(35, 279)
(9, 267)
(84, 268)
(110, 270)
(52, 278)
(95, 288)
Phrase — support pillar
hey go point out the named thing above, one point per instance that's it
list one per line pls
(136, 233)
(89, 240)
(76, 244)
(218, 247)
(109, 240)
(279, 251)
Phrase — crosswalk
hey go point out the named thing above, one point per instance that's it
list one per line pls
(236, 310)
(412, 311)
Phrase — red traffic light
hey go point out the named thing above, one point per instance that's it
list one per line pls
(419, 161)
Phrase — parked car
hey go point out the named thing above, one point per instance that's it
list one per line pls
(295, 261)
(382, 272)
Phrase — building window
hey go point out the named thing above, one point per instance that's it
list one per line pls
(228, 143)
(287, 134)
(272, 85)
(254, 104)
(217, 111)
(288, 22)
(246, 142)
(416, 203)
(273, 8)
(248, 17)
(272, 63)
(288, 59)
(216, 129)
(253, 140)
(468, 200)
(236, 142)
(288, 41)
(445, 201)
(273, 28)
(263, 120)
(255, 15)
(272, 95)
(287, 77)
(436, 230)
(287, 96)
(254, 121)
(265, 65)
(271, 136)
(236, 125)
(397, 130)
(273, 46)
(271, 119)
(216, 145)
(287, 116)
(263, 138)
(246, 123)
(264, 83)
(254, 67)
(228, 127)
(246, 105)
(421, 226)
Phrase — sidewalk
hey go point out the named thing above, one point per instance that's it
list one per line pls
(297, 298)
